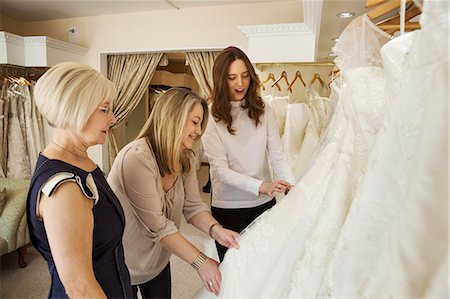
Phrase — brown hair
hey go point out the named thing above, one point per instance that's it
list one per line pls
(164, 127)
(220, 95)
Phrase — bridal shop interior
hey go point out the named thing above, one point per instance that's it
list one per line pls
(359, 91)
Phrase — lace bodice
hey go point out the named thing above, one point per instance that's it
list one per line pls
(359, 45)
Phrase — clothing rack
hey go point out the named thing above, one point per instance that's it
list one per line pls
(31, 73)
(262, 65)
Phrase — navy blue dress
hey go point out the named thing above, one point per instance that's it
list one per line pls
(109, 222)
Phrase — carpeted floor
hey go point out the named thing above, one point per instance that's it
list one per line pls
(33, 281)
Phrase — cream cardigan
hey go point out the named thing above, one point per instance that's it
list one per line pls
(151, 213)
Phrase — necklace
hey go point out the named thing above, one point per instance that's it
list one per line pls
(67, 150)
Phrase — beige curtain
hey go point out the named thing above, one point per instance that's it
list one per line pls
(131, 74)
(201, 64)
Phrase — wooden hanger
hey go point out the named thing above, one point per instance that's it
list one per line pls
(298, 75)
(283, 75)
(370, 3)
(13, 79)
(270, 76)
(392, 23)
(23, 81)
(317, 77)
(384, 8)
(334, 73)
(6, 79)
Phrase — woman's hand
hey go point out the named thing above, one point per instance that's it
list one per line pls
(278, 186)
(225, 237)
(210, 275)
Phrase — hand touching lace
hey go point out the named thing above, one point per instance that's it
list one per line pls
(210, 275)
(278, 186)
(225, 237)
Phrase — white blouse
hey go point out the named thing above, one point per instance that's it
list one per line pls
(238, 163)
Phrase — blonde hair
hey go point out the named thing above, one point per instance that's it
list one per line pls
(163, 129)
(69, 92)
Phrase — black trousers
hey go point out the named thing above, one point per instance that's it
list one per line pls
(158, 287)
(237, 219)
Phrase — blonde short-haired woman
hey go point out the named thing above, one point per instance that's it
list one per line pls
(75, 220)
(155, 179)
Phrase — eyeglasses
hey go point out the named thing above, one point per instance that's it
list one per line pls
(105, 110)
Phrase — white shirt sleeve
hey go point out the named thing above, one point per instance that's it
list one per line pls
(219, 165)
(277, 157)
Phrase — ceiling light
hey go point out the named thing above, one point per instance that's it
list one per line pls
(345, 14)
(335, 39)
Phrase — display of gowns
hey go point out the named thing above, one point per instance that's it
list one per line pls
(311, 123)
(369, 217)
(289, 246)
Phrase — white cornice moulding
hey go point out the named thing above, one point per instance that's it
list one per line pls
(11, 38)
(39, 51)
(11, 48)
(265, 30)
(292, 42)
(279, 43)
(54, 43)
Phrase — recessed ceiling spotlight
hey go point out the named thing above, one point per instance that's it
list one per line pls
(335, 39)
(331, 54)
(345, 14)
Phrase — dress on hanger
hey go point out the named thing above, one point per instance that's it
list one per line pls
(279, 106)
(297, 120)
(414, 261)
(415, 83)
(18, 164)
(319, 114)
(284, 253)
(377, 202)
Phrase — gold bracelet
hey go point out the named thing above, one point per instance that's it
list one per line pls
(211, 227)
(199, 261)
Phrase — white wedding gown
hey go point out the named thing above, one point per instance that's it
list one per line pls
(318, 116)
(414, 261)
(296, 130)
(385, 206)
(279, 106)
(285, 251)
(369, 218)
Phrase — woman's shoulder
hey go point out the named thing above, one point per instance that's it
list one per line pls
(50, 173)
(47, 166)
(137, 153)
(137, 148)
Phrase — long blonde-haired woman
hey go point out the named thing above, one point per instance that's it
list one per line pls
(155, 179)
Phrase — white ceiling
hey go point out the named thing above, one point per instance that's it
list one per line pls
(37, 10)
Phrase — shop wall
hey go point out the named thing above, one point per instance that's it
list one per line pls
(188, 28)
(204, 27)
(11, 25)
